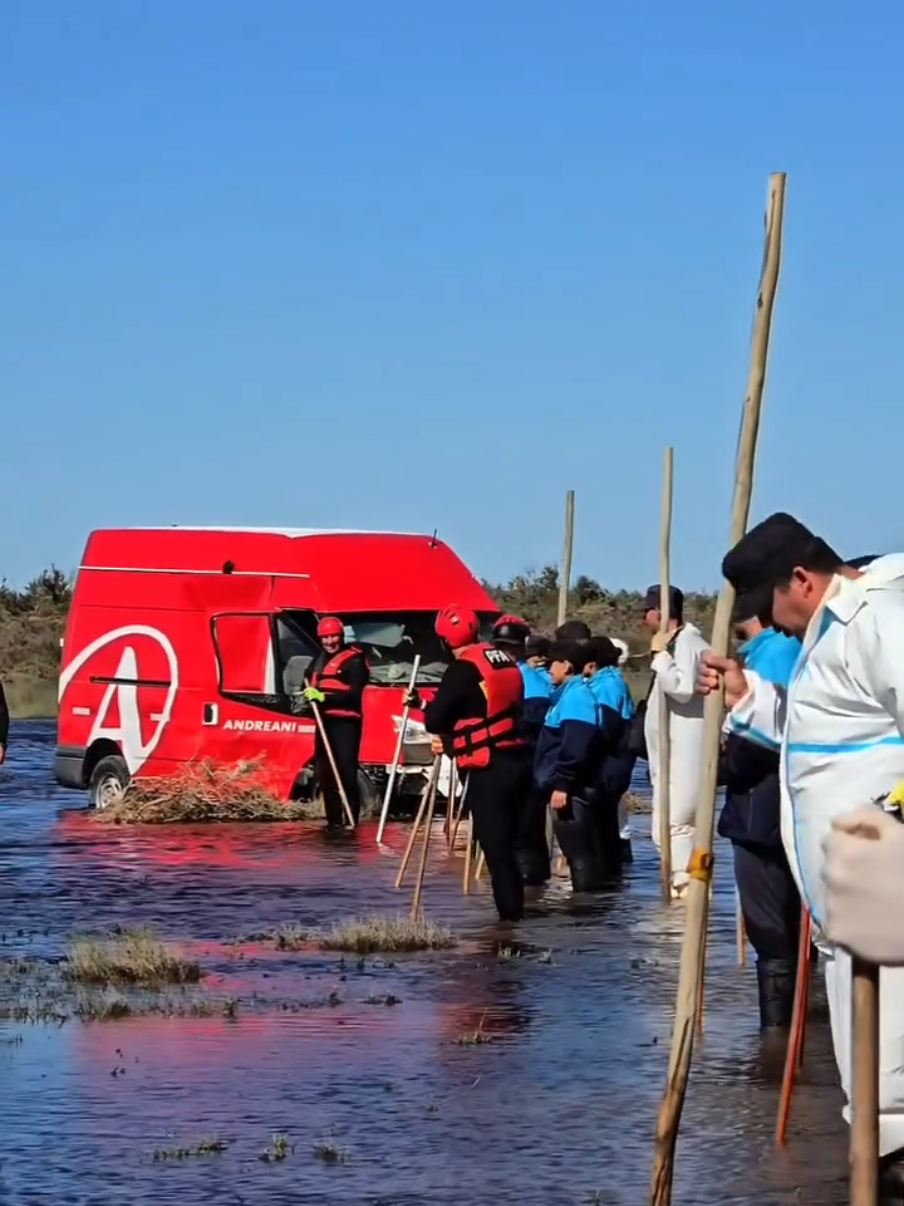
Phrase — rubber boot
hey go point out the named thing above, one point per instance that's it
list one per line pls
(578, 841)
(536, 868)
(627, 854)
(775, 988)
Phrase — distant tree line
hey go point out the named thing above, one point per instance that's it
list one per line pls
(535, 597)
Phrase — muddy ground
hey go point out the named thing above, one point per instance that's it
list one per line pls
(530, 1073)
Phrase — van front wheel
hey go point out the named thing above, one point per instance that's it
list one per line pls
(108, 781)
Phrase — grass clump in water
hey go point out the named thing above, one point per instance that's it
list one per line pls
(368, 935)
(329, 1151)
(134, 957)
(280, 1148)
(205, 791)
(207, 1147)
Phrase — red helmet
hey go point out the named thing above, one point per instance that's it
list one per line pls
(457, 626)
(330, 626)
(511, 628)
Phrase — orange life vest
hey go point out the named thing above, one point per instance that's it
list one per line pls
(329, 680)
(473, 740)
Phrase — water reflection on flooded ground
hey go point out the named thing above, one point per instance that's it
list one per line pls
(530, 1074)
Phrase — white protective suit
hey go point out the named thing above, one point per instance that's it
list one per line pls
(840, 726)
(676, 675)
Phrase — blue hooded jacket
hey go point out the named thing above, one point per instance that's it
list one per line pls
(751, 815)
(615, 767)
(537, 699)
(566, 752)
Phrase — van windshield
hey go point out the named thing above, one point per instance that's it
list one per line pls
(392, 640)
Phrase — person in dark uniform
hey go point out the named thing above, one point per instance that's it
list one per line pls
(4, 724)
(614, 764)
(476, 717)
(566, 762)
(511, 634)
(337, 678)
(751, 821)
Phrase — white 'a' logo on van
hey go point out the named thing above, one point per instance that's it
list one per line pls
(119, 717)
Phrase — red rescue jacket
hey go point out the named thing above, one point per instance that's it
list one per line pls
(474, 740)
(330, 680)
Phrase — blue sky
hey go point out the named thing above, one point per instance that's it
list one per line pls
(428, 265)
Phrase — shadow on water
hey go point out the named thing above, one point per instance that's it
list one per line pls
(531, 1073)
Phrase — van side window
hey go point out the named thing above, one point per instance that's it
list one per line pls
(244, 645)
(296, 650)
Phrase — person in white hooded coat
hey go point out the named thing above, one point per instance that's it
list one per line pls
(839, 726)
(676, 665)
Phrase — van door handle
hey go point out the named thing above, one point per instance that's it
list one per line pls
(211, 714)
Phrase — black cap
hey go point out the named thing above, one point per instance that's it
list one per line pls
(569, 651)
(573, 630)
(653, 598)
(767, 554)
(601, 650)
(537, 645)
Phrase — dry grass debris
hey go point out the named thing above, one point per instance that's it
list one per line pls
(200, 792)
(386, 935)
(133, 957)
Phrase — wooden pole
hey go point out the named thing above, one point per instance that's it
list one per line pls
(406, 712)
(422, 868)
(565, 579)
(664, 767)
(422, 808)
(692, 951)
(794, 1054)
(864, 1083)
(318, 720)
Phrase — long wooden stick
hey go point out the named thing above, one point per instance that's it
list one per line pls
(864, 1083)
(565, 580)
(664, 761)
(740, 934)
(692, 951)
(397, 757)
(451, 801)
(422, 808)
(794, 1053)
(318, 720)
(428, 826)
(460, 813)
(469, 854)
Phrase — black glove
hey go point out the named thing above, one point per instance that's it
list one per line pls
(412, 699)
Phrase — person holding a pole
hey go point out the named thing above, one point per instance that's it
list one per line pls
(475, 717)
(839, 725)
(511, 634)
(751, 821)
(336, 682)
(677, 654)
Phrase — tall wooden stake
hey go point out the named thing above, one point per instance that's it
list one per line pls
(864, 1083)
(664, 767)
(565, 579)
(692, 951)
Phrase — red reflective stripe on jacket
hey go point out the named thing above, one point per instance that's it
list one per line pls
(473, 740)
(328, 681)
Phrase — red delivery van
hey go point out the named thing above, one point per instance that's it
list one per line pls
(187, 643)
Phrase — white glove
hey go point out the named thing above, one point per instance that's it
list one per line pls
(864, 875)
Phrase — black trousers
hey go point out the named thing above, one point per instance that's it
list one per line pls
(770, 902)
(497, 796)
(532, 846)
(344, 736)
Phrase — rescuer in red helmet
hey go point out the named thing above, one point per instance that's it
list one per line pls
(337, 678)
(477, 715)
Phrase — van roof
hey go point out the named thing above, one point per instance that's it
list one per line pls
(345, 570)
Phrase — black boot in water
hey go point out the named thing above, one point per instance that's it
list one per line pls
(775, 987)
(891, 1179)
(578, 840)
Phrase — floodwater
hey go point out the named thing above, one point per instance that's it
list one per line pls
(557, 1108)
